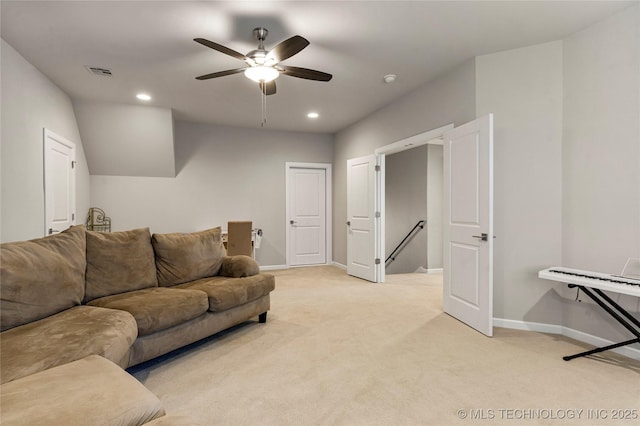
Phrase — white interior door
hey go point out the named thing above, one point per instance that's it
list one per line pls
(307, 216)
(361, 218)
(59, 182)
(468, 224)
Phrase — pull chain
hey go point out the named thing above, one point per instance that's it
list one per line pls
(263, 103)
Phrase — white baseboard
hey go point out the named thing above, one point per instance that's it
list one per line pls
(568, 332)
(529, 326)
(273, 267)
(339, 265)
(422, 270)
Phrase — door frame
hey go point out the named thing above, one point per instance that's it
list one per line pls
(328, 208)
(431, 137)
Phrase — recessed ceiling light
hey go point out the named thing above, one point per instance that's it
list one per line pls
(143, 97)
(313, 115)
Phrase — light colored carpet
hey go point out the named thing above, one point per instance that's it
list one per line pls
(337, 350)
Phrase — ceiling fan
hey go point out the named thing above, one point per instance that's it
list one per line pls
(264, 66)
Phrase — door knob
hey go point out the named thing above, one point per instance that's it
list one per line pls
(482, 237)
(292, 222)
(348, 223)
(51, 231)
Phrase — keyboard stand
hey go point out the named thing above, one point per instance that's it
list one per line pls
(621, 316)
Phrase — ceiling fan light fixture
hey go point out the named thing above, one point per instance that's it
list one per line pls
(262, 74)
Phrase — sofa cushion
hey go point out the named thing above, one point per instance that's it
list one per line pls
(239, 266)
(118, 262)
(41, 277)
(186, 257)
(156, 309)
(64, 337)
(225, 293)
(90, 391)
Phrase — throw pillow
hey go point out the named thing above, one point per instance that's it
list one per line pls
(239, 266)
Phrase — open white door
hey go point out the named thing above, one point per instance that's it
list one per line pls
(468, 224)
(361, 218)
(59, 183)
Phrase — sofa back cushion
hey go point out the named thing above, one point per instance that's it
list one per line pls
(187, 257)
(41, 277)
(118, 262)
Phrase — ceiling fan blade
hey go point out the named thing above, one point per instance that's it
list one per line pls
(268, 88)
(220, 74)
(305, 73)
(287, 48)
(220, 48)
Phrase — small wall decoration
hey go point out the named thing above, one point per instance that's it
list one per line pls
(98, 221)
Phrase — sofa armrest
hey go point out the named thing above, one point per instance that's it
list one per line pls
(239, 266)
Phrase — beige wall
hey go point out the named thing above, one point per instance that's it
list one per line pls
(126, 140)
(601, 159)
(601, 144)
(435, 197)
(223, 173)
(523, 89)
(30, 103)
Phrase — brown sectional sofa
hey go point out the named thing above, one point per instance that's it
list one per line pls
(125, 296)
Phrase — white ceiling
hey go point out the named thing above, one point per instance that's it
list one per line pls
(149, 47)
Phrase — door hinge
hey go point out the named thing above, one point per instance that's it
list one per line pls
(73, 216)
(377, 261)
(377, 168)
(377, 214)
(73, 164)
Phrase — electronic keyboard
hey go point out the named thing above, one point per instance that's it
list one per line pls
(592, 284)
(608, 282)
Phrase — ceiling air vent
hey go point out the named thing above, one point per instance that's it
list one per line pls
(103, 72)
